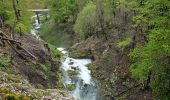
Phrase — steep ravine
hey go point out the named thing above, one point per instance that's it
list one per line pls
(76, 76)
(111, 62)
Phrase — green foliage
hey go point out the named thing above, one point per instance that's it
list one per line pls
(8, 16)
(55, 51)
(70, 87)
(11, 97)
(94, 14)
(86, 22)
(124, 43)
(108, 10)
(62, 10)
(5, 60)
(153, 57)
(55, 34)
(72, 73)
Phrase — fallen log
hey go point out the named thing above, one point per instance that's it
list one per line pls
(5, 37)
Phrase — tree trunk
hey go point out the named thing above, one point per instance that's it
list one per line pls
(15, 9)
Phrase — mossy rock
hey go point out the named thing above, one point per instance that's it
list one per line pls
(93, 71)
(79, 55)
(71, 63)
(70, 87)
(72, 73)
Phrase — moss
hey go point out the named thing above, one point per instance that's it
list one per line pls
(79, 55)
(93, 70)
(55, 51)
(121, 98)
(43, 67)
(72, 73)
(59, 81)
(7, 95)
(70, 87)
(11, 97)
(15, 84)
(4, 90)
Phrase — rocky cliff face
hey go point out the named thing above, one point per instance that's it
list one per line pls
(29, 68)
(111, 61)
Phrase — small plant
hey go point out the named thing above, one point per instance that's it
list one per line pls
(124, 43)
(70, 87)
(5, 60)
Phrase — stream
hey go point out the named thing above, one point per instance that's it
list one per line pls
(76, 76)
(84, 86)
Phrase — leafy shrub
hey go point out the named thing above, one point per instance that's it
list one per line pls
(89, 20)
(86, 22)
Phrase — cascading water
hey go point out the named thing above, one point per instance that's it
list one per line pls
(35, 27)
(86, 87)
(81, 85)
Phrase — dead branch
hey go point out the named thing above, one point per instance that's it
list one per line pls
(3, 38)
(16, 43)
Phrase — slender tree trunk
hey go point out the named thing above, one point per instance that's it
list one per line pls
(15, 9)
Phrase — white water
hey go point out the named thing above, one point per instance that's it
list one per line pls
(36, 26)
(85, 86)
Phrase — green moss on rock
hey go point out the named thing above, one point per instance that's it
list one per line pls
(79, 55)
(72, 73)
(70, 87)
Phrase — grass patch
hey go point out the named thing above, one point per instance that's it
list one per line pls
(5, 64)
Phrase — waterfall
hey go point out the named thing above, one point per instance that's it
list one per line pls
(80, 84)
(84, 86)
